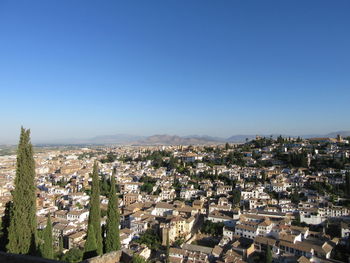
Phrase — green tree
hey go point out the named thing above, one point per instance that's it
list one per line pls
(90, 249)
(213, 229)
(167, 247)
(94, 222)
(171, 164)
(23, 226)
(150, 238)
(113, 220)
(298, 159)
(263, 176)
(104, 186)
(280, 139)
(5, 223)
(138, 259)
(59, 254)
(47, 247)
(347, 184)
(109, 158)
(73, 255)
(236, 196)
(147, 187)
(295, 197)
(148, 184)
(268, 256)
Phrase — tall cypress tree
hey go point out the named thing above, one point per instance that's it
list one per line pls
(347, 184)
(60, 248)
(23, 226)
(94, 221)
(47, 248)
(167, 247)
(90, 249)
(268, 256)
(5, 224)
(113, 220)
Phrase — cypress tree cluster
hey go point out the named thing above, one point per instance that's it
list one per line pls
(94, 234)
(22, 232)
(113, 220)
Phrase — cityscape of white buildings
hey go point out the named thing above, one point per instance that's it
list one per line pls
(250, 195)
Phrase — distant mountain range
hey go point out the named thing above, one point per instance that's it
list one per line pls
(118, 139)
(177, 140)
(341, 133)
(164, 139)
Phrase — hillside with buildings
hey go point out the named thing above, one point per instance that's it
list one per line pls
(207, 203)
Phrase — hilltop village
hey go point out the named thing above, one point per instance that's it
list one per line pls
(284, 198)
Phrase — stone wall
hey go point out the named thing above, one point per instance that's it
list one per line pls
(15, 258)
(112, 257)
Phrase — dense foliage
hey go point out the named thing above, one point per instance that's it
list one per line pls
(138, 259)
(148, 184)
(73, 255)
(113, 221)
(214, 229)
(94, 233)
(90, 249)
(268, 256)
(150, 238)
(47, 247)
(22, 233)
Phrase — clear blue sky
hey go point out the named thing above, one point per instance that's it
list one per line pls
(85, 68)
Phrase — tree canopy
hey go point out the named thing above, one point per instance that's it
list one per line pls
(22, 232)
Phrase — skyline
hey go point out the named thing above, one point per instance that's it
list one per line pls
(170, 139)
(79, 70)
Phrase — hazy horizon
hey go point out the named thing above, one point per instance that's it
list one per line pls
(83, 140)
